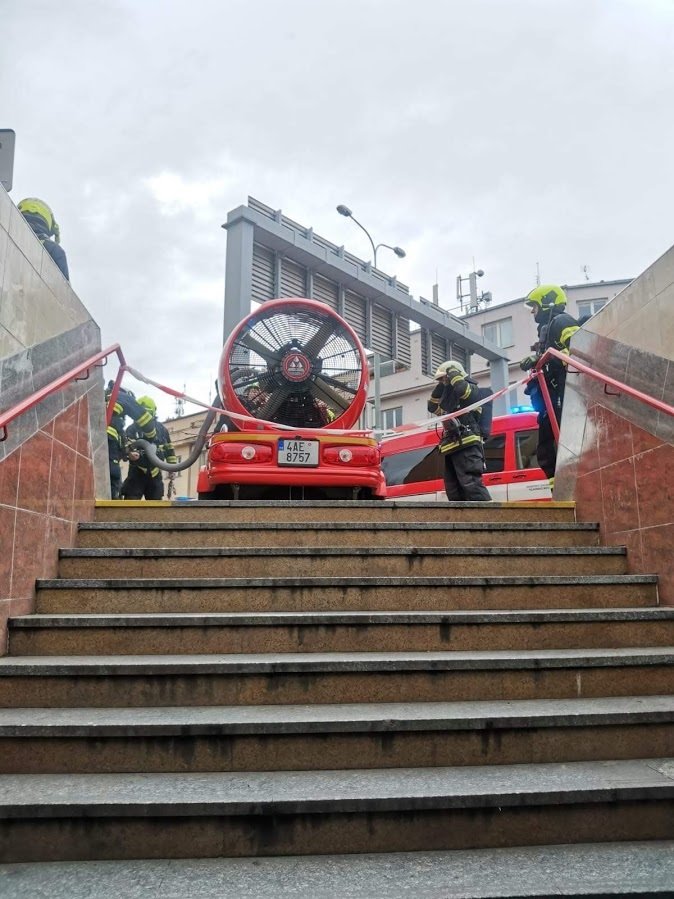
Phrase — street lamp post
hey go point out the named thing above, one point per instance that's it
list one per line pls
(376, 359)
(346, 212)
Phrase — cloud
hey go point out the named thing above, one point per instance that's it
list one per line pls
(509, 133)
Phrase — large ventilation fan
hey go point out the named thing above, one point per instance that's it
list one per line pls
(295, 362)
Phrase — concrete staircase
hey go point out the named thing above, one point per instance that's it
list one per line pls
(212, 680)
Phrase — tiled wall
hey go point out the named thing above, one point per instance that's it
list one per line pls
(616, 455)
(54, 460)
(46, 487)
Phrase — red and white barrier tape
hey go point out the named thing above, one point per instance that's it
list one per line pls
(416, 427)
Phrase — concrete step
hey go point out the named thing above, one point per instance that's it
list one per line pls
(339, 510)
(637, 869)
(291, 678)
(336, 534)
(402, 561)
(315, 594)
(64, 816)
(372, 735)
(281, 632)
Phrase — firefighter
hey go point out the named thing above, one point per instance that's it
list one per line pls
(41, 219)
(461, 444)
(116, 452)
(556, 327)
(125, 406)
(144, 480)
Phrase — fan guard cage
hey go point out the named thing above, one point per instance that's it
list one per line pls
(295, 362)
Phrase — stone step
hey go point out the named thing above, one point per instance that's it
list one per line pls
(402, 561)
(315, 594)
(65, 816)
(319, 533)
(338, 510)
(600, 870)
(372, 735)
(291, 678)
(281, 632)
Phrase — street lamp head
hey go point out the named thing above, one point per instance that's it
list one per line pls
(400, 253)
(344, 210)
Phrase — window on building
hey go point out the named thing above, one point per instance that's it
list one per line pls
(589, 307)
(392, 418)
(499, 332)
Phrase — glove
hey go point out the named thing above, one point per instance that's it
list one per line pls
(528, 363)
(172, 475)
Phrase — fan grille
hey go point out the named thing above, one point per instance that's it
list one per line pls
(298, 367)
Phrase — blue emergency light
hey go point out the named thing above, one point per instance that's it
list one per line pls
(522, 409)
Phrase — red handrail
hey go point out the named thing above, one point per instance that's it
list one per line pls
(97, 361)
(576, 364)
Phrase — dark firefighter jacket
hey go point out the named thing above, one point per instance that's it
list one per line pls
(41, 231)
(463, 431)
(556, 333)
(162, 440)
(126, 405)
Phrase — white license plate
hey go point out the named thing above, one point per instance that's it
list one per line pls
(298, 452)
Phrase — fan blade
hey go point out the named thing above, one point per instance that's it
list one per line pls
(272, 404)
(251, 343)
(248, 379)
(336, 383)
(315, 344)
(340, 401)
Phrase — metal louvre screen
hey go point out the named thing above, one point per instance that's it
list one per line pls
(355, 313)
(293, 279)
(460, 355)
(425, 367)
(263, 286)
(439, 352)
(326, 292)
(403, 348)
(382, 331)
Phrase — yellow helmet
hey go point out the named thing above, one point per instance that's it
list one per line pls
(545, 296)
(148, 403)
(38, 207)
(450, 365)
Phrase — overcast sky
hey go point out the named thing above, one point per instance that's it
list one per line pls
(511, 132)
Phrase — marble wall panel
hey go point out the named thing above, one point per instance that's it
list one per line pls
(9, 345)
(36, 458)
(658, 557)
(62, 481)
(632, 541)
(654, 489)
(5, 209)
(30, 531)
(621, 478)
(46, 487)
(55, 455)
(66, 427)
(5, 608)
(9, 479)
(621, 475)
(7, 516)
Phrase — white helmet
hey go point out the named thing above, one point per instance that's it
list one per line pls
(451, 365)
